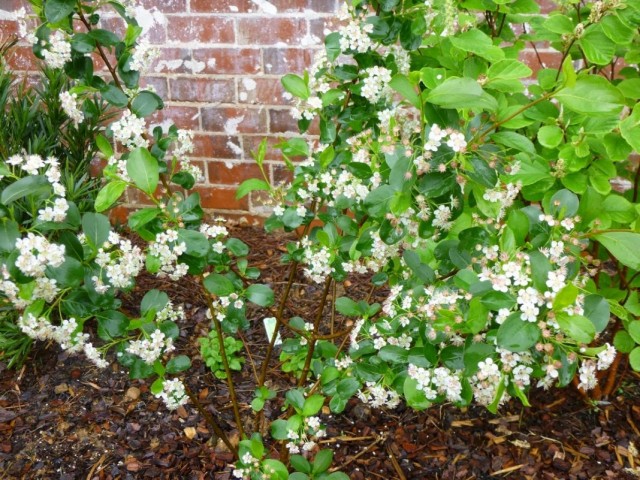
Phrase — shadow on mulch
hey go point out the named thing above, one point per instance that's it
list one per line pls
(63, 419)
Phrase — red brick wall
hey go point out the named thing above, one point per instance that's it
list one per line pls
(219, 74)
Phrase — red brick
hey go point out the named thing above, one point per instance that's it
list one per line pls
(232, 120)
(221, 198)
(229, 60)
(245, 6)
(22, 58)
(183, 117)
(222, 6)
(317, 27)
(120, 214)
(269, 31)
(232, 173)
(280, 174)
(171, 60)
(267, 91)
(281, 121)
(8, 29)
(158, 83)
(217, 146)
(189, 89)
(280, 61)
(200, 30)
(165, 6)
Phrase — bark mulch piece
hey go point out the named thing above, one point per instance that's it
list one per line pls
(63, 419)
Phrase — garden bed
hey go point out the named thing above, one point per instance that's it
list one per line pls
(61, 419)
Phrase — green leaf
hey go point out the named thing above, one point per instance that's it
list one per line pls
(414, 396)
(634, 330)
(251, 185)
(347, 387)
(348, 307)
(596, 309)
(516, 335)
(143, 169)
(296, 86)
(322, 461)
(68, 275)
(579, 328)
(57, 10)
(479, 43)
(624, 246)
(623, 342)
(196, 242)
(114, 96)
(300, 464)
(634, 359)
(592, 95)
(153, 299)
(457, 92)
(31, 185)
(178, 364)
(550, 136)
(105, 37)
(82, 43)
(597, 47)
(565, 297)
(146, 103)
(514, 140)
(508, 69)
(422, 271)
(619, 209)
(109, 194)
(260, 295)
(218, 285)
(401, 84)
(112, 324)
(312, 405)
(141, 217)
(279, 429)
(332, 45)
(104, 146)
(9, 234)
(237, 247)
(96, 227)
(630, 128)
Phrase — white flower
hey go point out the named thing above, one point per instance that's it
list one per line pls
(606, 357)
(69, 103)
(129, 130)
(143, 56)
(173, 393)
(58, 52)
(376, 84)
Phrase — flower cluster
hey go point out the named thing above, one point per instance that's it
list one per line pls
(376, 84)
(377, 396)
(152, 348)
(121, 262)
(167, 249)
(68, 334)
(143, 56)
(69, 103)
(58, 51)
(173, 393)
(439, 381)
(303, 440)
(130, 130)
(36, 253)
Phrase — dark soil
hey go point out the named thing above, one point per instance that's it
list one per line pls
(63, 419)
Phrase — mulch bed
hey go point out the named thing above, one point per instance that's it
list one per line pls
(63, 419)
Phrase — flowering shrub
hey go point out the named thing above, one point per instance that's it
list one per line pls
(479, 193)
(483, 211)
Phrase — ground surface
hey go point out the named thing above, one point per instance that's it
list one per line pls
(62, 419)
